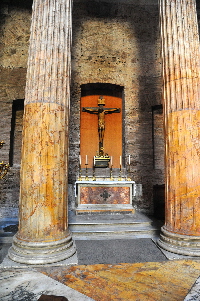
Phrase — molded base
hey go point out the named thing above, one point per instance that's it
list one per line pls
(41, 252)
(178, 243)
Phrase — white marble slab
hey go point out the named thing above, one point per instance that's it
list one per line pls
(8, 263)
(27, 284)
(194, 294)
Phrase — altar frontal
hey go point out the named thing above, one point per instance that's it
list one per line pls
(105, 196)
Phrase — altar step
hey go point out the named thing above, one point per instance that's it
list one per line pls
(113, 226)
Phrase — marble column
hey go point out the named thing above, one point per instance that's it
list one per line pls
(43, 235)
(180, 55)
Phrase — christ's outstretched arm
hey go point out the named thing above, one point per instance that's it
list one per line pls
(90, 110)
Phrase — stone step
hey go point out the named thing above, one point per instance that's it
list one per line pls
(136, 217)
(107, 235)
(112, 230)
(113, 226)
(109, 224)
(98, 226)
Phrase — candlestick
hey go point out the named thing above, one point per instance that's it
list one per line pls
(94, 178)
(111, 177)
(129, 168)
(86, 172)
(120, 174)
(120, 169)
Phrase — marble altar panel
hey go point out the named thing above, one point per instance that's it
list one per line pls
(104, 195)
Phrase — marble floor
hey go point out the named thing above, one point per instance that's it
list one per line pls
(28, 284)
(152, 281)
(194, 293)
(157, 281)
(107, 270)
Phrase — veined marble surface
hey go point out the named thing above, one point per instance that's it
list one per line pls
(27, 284)
(194, 294)
(146, 281)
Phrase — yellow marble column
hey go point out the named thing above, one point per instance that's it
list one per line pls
(43, 235)
(180, 55)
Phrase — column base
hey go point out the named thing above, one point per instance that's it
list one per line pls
(178, 243)
(41, 252)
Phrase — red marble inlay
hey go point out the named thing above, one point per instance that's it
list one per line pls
(104, 195)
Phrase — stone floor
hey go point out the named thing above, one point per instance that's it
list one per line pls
(152, 281)
(194, 293)
(117, 269)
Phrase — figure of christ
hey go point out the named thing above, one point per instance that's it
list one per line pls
(101, 112)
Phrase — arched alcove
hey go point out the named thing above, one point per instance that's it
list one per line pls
(113, 122)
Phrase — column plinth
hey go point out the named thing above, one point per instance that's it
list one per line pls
(41, 252)
(179, 244)
(180, 55)
(43, 235)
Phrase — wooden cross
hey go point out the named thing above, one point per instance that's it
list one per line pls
(101, 112)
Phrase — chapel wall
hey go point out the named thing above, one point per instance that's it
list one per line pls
(15, 18)
(114, 42)
(118, 43)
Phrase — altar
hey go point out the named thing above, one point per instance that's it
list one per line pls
(103, 183)
(104, 196)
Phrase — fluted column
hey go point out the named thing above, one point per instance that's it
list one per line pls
(43, 235)
(180, 54)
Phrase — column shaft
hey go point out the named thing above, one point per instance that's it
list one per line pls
(43, 235)
(180, 55)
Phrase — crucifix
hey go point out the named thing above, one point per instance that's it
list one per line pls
(101, 112)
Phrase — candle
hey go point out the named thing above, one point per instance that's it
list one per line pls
(80, 160)
(94, 160)
(86, 162)
(129, 159)
(120, 160)
(111, 161)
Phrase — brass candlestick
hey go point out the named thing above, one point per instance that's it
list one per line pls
(111, 177)
(129, 172)
(120, 173)
(86, 172)
(80, 176)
